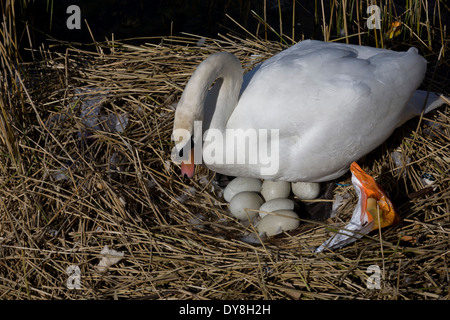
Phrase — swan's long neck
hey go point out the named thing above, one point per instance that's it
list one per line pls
(223, 66)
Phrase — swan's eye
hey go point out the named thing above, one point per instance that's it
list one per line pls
(186, 148)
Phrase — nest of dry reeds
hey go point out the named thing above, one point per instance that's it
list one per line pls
(70, 189)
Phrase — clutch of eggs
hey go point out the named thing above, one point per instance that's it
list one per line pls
(279, 221)
(275, 209)
(241, 184)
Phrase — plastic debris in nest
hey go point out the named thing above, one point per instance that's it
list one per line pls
(427, 179)
(186, 194)
(63, 172)
(433, 129)
(373, 211)
(339, 201)
(110, 258)
(116, 122)
(397, 157)
(60, 174)
(91, 106)
(201, 42)
(429, 186)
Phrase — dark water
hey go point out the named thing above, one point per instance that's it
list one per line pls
(155, 18)
(139, 18)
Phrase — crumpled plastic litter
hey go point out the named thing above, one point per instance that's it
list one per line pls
(110, 258)
(91, 100)
(91, 105)
(116, 122)
(60, 175)
(397, 157)
(374, 210)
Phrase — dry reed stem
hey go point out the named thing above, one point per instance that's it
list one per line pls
(121, 190)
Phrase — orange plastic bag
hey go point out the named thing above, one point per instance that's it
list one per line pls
(374, 210)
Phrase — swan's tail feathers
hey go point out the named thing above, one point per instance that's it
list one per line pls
(428, 100)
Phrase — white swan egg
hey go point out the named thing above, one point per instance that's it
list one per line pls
(279, 221)
(274, 205)
(245, 200)
(306, 190)
(275, 189)
(240, 184)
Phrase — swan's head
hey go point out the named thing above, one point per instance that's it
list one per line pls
(182, 135)
(190, 107)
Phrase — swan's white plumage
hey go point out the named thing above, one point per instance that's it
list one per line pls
(332, 103)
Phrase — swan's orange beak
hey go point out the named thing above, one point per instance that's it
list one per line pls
(188, 167)
(376, 208)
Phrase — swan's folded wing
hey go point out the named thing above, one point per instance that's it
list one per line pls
(318, 81)
(328, 103)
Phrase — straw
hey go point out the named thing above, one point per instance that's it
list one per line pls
(68, 190)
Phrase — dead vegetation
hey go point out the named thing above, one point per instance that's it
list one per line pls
(70, 188)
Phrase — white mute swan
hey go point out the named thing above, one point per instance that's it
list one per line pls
(313, 108)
